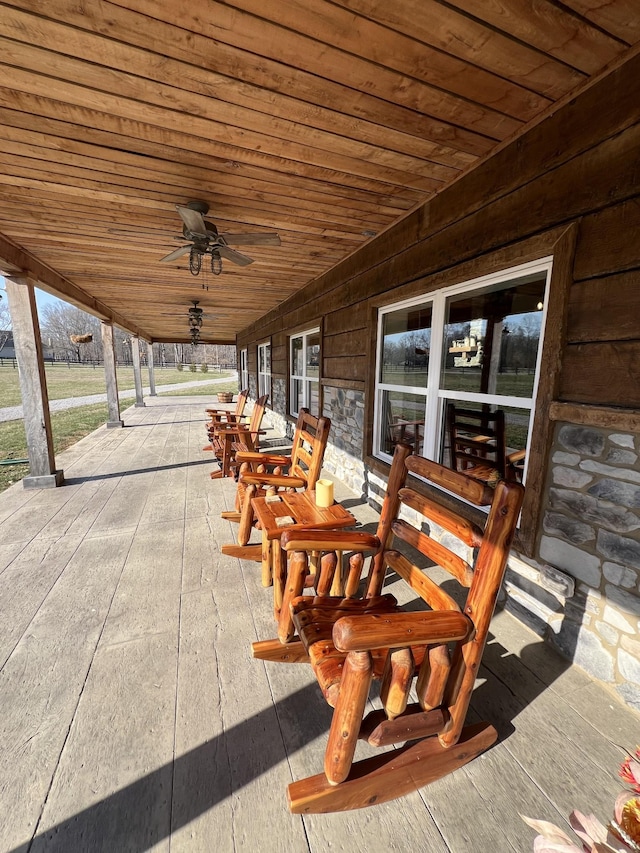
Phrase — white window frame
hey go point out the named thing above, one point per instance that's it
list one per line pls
(264, 376)
(244, 369)
(433, 394)
(303, 378)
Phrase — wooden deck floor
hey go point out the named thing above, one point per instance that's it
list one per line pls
(132, 717)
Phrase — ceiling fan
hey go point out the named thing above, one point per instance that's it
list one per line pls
(206, 240)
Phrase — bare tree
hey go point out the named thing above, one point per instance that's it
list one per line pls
(59, 322)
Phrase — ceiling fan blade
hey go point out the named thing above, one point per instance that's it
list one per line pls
(263, 239)
(233, 256)
(193, 220)
(177, 253)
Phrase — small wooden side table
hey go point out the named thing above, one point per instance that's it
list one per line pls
(301, 508)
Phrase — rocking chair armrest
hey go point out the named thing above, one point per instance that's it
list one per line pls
(278, 480)
(264, 458)
(516, 456)
(329, 540)
(395, 630)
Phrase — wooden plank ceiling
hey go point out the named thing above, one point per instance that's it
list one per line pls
(323, 121)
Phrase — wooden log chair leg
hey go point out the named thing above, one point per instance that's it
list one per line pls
(396, 682)
(328, 564)
(246, 521)
(433, 677)
(356, 562)
(296, 574)
(347, 716)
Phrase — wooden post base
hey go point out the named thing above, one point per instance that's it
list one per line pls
(390, 775)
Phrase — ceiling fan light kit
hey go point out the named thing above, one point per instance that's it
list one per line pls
(206, 240)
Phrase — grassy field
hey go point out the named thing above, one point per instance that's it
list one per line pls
(64, 381)
(68, 427)
(71, 425)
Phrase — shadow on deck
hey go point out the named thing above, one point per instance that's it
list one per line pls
(133, 717)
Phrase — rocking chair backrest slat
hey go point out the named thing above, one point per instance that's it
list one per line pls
(309, 444)
(471, 490)
(257, 413)
(434, 550)
(467, 531)
(421, 583)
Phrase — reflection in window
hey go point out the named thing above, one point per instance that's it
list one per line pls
(477, 345)
(304, 389)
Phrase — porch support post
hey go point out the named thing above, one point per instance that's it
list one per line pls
(152, 375)
(110, 375)
(137, 376)
(33, 385)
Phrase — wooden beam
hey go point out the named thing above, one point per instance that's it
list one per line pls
(15, 260)
(602, 417)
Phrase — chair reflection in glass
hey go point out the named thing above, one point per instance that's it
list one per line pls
(477, 445)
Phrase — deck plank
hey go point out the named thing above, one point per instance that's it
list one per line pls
(43, 679)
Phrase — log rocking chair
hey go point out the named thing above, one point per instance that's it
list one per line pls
(265, 473)
(350, 641)
(228, 439)
(225, 416)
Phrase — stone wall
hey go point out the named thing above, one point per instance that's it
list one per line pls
(343, 457)
(275, 416)
(591, 532)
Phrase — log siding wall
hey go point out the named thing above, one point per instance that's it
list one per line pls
(569, 187)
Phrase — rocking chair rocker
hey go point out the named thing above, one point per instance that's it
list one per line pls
(349, 642)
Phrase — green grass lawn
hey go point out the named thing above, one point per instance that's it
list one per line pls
(73, 424)
(64, 381)
(68, 427)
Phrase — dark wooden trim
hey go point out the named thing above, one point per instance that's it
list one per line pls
(349, 384)
(601, 417)
(548, 385)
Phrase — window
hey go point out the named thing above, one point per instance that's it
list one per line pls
(264, 369)
(244, 370)
(477, 344)
(305, 372)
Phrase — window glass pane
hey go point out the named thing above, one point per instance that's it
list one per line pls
(314, 398)
(313, 354)
(261, 359)
(402, 420)
(297, 363)
(296, 395)
(491, 339)
(406, 341)
(267, 358)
